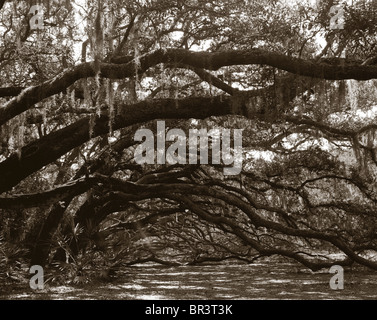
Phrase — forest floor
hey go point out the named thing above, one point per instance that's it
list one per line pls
(256, 281)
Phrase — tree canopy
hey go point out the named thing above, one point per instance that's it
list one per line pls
(74, 92)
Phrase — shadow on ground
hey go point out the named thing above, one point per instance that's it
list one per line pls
(257, 281)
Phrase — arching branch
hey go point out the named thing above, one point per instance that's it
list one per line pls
(123, 67)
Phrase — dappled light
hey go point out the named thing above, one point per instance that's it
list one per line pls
(188, 149)
(231, 281)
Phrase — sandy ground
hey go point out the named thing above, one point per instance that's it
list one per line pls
(257, 281)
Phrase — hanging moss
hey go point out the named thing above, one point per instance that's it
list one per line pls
(21, 133)
(98, 95)
(176, 97)
(283, 202)
(68, 96)
(210, 85)
(110, 103)
(87, 96)
(137, 61)
(72, 99)
(353, 94)
(44, 117)
(163, 78)
(360, 161)
(92, 122)
(370, 139)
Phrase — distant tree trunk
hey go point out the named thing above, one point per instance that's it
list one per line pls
(43, 244)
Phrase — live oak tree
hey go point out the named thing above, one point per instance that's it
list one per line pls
(74, 93)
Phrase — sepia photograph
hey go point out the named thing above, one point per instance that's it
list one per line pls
(188, 154)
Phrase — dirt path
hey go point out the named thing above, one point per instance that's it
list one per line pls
(259, 281)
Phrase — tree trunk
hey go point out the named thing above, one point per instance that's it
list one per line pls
(43, 245)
